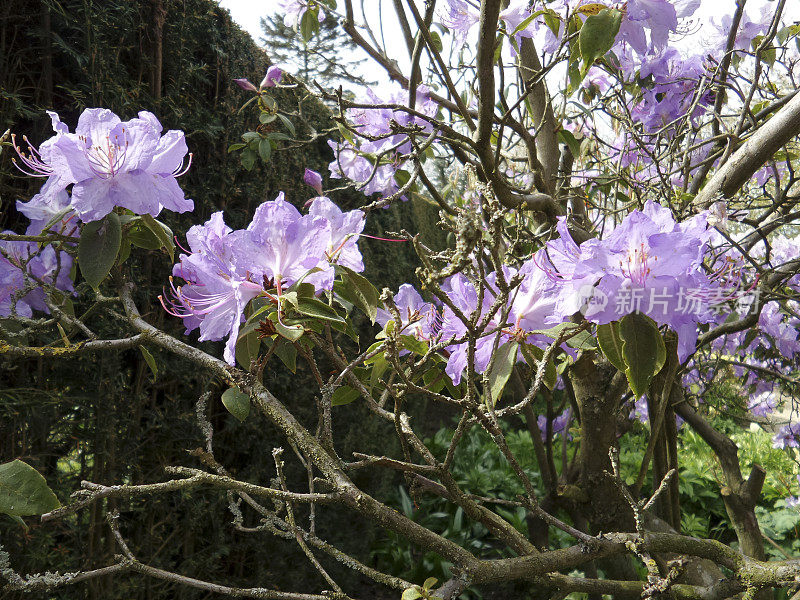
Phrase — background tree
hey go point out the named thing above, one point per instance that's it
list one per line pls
(330, 57)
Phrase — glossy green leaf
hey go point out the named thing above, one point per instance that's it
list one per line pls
(290, 332)
(311, 307)
(265, 149)
(411, 593)
(358, 291)
(412, 344)
(98, 247)
(237, 403)
(504, 362)
(611, 344)
(533, 356)
(23, 491)
(247, 346)
(287, 352)
(344, 395)
(597, 35)
(288, 124)
(148, 358)
(162, 232)
(643, 351)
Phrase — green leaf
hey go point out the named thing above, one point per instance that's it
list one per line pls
(411, 593)
(501, 370)
(344, 395)
(311, 307)
(309, 24)
(265, 149)
(358, 292)
(23, 491)
(643, 351)
(611, 344)
(124, 251)
(582, 340)
(429, 583)
(437, 41)
(141, 237)
(290, 332)
(162, 232)
(412, 344)
(248, 159)
(533, 356)
(597, 35)
(571, 141)
(98, 248)
(237, 403)
(247, 346)
(288, 124)
(287, 353)
(266, 117)
(151, 362)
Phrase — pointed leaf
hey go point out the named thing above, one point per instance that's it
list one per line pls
(344, 395)
(358, 291)
(290, 332)
(151, 362)
(611, 344)
(643, 351)
(597, 35)
(98, 248)
(504, 362)
(311, 307)
(23, 491)
(533, 356)
(237, 403)
(162, 232)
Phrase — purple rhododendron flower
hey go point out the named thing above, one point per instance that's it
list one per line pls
(226, 269)
(533, 306)
(293, 11)
(762, 405)
(112, 163)
(459, 17)
(44, 207)
(787, 436)
(465, 297)
(272, 78)
(748, 30)
(47, 265)
(375, 123)
(558, 426)
(658, 16)
(281, 246)
(648, 263)
(216, 291)
(345, 228)
(418, 318)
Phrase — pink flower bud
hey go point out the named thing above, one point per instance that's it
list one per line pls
(313, 179)
(245, 85)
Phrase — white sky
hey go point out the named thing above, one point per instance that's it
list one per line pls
(248, 14)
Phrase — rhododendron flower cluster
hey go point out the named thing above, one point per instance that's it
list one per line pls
(224, 269)
(383, 142)
(22, 267)
(108, 163)
(648, 264)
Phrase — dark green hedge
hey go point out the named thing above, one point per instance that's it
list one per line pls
(104, 418)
